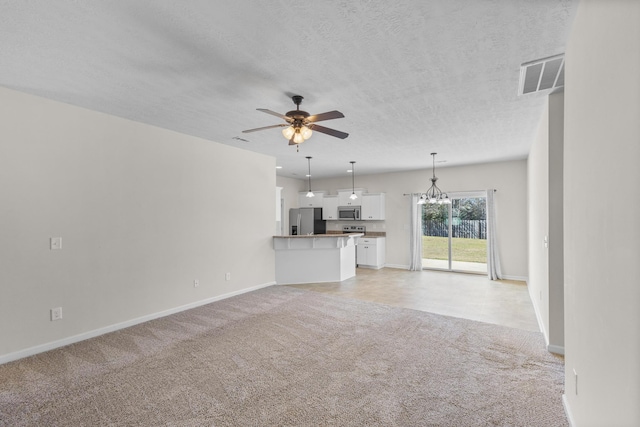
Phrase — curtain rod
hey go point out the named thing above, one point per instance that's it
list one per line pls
(454, 192)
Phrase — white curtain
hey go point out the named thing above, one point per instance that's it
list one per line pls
(415, 238)
(493, 260)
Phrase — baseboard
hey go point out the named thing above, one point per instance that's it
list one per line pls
(567, 410)
(400, 266)
(556, 349)
(10, 357)
(536, 310)
(371, 267)
(519, 278)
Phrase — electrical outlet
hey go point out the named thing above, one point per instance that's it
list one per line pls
(56, 313)
(56, 243)
(227, 276)
(196, 283)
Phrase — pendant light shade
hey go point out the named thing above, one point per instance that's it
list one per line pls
(353, 195)
(434, 194)
(309, 193)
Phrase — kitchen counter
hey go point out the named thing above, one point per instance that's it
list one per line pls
(315, 258)
(318, 235)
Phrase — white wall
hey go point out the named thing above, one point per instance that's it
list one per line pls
(545, 182)
(602, 207)
(509, 178)
(142, 212)
(538, 203)
(290, 189)
(556, 223)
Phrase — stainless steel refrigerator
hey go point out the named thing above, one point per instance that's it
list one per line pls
(306, 221)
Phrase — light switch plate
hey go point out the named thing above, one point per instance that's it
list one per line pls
(56, 313)
(56, 243)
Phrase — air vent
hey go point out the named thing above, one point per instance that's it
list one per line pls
(541, 75)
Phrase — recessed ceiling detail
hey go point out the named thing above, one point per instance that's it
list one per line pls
(541, 74)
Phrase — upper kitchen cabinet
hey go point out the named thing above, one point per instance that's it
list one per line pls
(311, 202)
(330, 207)
(344, 200)
(373, 206)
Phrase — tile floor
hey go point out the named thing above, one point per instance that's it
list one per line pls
(470, 296)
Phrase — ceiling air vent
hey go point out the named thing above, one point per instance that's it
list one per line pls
(542, 74)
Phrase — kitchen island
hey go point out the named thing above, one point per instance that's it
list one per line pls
(315, 258)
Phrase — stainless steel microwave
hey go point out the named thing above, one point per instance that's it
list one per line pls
(349, 213)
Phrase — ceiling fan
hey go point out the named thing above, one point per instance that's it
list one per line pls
(300, 124)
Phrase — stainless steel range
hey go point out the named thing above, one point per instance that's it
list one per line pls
(349, 229)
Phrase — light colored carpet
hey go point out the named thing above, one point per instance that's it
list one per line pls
(281, 356)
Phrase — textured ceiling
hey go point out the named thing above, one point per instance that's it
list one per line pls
(411, 76)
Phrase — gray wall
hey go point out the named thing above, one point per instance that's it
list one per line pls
(601, 211)
(142, 212)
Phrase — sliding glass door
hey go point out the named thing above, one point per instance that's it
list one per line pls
(455, 235)
(435, 236)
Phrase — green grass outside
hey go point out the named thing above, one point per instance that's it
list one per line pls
(466, 250)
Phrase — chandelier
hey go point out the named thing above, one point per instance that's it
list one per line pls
(434, 194)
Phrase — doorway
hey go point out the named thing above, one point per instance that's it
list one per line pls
(454, 236)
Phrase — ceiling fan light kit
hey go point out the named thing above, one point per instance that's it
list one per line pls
(434, 194)
(300, 124)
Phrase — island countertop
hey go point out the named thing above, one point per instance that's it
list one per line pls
(315, 258)
(320, 235)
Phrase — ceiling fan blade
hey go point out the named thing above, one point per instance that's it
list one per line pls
(291, 142)
(273, 113)
(328, 131)
(265, 127)
(325, 116)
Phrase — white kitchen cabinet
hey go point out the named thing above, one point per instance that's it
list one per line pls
(373, 206)
(344, 200)
(370, 252)
(330, 208)
(311, 202)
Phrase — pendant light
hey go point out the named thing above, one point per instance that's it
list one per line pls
(310, 193)
(353, 182)
(434, 194)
